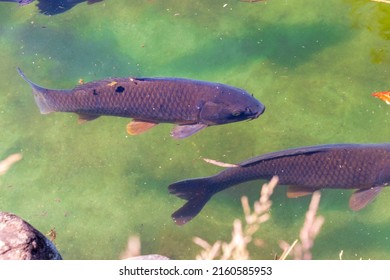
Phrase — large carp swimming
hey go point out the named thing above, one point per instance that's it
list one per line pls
(365, 167)
(192, 105)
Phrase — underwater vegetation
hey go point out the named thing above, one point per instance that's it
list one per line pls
(243, 234)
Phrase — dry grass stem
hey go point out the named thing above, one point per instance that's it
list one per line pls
(220, 163)
(383, 1)
(209, 252)
(311, 226)
(288, 249)
(133, 251)
(133, 248)
(243, 234)
(309, 231)
(236, 249)
(8, 162)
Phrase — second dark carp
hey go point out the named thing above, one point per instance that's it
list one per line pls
(21, 2)
(365, 167)
(192, 105)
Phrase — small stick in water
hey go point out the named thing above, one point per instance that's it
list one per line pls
(219, 163)
(8, 162)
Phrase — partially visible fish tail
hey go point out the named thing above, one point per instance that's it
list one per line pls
(197, 192)
(39, 95)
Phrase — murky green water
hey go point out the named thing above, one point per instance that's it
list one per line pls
(314, 64)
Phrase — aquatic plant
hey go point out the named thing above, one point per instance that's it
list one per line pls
(8, 162)
(133, 251)
(309, 231)
(242, 235)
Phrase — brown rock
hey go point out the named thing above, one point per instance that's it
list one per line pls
(21, 241)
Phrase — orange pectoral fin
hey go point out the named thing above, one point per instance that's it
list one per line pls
(298, 191)
(137, 127)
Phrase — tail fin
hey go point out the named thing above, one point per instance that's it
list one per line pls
(39, 95)
(197, 192)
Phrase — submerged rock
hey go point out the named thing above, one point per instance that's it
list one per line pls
(21, 241)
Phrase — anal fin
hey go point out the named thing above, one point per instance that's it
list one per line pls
(298, 191)
(362, 197)
(136, 127)
(183, 131)
(83, 118)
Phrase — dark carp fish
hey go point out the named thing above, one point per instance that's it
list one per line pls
(192, 105)
(365, 167)
(20, 2)
(54, 7)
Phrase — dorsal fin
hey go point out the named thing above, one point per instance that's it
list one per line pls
(296, 151)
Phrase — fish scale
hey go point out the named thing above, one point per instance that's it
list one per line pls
(140, 100)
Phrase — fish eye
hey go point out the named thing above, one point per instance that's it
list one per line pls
(236, 113)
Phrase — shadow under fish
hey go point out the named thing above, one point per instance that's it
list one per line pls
(192, 105)
(365, 167)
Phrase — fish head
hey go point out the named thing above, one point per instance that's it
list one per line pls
(230, 105)
(24, 2)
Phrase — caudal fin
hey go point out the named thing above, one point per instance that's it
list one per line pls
(197, 192)
(39, 95)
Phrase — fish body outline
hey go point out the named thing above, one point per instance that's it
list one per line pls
(190, 104)
(363, 167)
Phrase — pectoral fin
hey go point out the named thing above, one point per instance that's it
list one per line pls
(83, 118)
(183, 131)
(362, 197)
(298, 191)
(137, 127)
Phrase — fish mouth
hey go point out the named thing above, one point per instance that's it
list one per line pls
(257, 114)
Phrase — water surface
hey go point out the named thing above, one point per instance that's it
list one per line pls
(313, 64)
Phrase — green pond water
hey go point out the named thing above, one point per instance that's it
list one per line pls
(314, 64)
